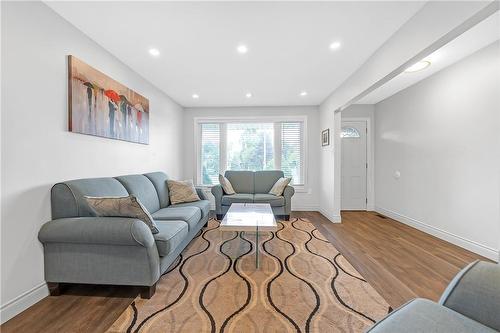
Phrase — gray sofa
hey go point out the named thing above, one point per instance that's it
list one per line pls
(82, 248)
(253, 187)
(470, 303)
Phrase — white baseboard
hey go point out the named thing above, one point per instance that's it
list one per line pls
(305, 208)
(23, 301)
(468, 244)
(332, 217)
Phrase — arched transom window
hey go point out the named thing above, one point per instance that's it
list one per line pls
(349, 132)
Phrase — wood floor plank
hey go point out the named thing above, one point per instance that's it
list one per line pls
(400, 262)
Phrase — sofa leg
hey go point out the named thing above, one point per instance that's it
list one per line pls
(148, 292)
(54, 288)
(220, 217)
(286, 217)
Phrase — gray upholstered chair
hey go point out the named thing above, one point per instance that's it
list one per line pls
(254, 187)
(470, 303)
(82, 248)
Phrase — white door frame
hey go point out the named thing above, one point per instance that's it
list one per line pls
(370, 159)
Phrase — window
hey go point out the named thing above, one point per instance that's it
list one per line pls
(210, 152)
(250, 145)
(349, 132)
(291, 150)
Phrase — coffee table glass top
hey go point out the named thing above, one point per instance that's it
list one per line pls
(249, 217)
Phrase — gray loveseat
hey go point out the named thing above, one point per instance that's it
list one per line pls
(253, 187)
(82, 248)
(470, 303)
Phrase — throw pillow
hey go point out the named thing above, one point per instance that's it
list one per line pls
(226, 185)
(279, 186)
(122, 207)
(182, 191)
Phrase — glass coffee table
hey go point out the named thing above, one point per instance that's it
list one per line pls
(250, 217)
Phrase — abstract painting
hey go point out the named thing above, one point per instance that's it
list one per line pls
(101, 106)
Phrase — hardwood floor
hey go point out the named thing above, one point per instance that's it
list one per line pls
(80, 308)
(398, 261)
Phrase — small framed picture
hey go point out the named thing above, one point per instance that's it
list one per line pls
(325, 137)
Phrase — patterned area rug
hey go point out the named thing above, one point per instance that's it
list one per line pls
(303, 284)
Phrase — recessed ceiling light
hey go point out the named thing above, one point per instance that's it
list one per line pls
(303, 93)
(154, 52)
(248, 95)
(242, 49)
(335, 45)
(195, 96)
(418, 66)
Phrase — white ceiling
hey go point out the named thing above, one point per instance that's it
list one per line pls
(288, 45)
(479, 36)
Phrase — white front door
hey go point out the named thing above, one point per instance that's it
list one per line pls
(354, 165)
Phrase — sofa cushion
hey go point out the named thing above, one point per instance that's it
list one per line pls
(422, 315)
(280, 186)
(170, 235)
(227, 200)
(159, 180)
(182, 191)
(191, 215)
(275, 201)
(226, 185)
(204, 205)
(143, 189)
(68, 200)
(242, 181)
(264, 180)
(129, 206)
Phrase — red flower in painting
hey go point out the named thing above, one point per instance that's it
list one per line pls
(112, 95)
(139, 118)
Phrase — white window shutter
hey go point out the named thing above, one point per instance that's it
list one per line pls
(292, 151)
(210, 154)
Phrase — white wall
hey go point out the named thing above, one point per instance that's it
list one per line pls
(307, 200)
(362, 112)
(435, 24)
(443, 135)
(37, 149)
(359, 111)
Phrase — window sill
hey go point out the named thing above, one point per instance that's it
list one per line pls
(298, 188)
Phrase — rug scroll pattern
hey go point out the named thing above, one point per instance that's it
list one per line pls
(303, 284)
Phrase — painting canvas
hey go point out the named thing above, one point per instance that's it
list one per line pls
(325, 137)
(101, 106)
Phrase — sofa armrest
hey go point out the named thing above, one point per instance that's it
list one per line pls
(201, 193)
(97, 230)
(288, 193)
(475, 293)
(218, 193)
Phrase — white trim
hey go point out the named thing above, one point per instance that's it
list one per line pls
(370, 159)
(197, 151)
(467, 244)
(222, 148)
(23, 301)
(272, 119)
(331, 216)
(305, 208)
(249, 119)
(277, 143)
